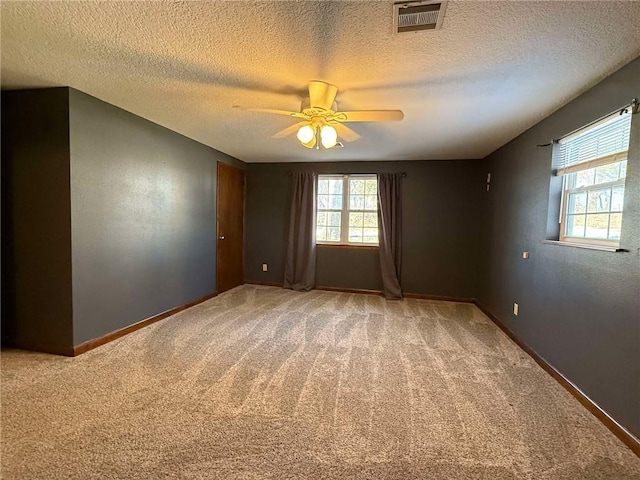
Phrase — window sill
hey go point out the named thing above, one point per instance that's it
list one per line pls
(602, 248)
(347, 245)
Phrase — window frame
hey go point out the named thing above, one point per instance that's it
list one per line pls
(345, 210)
(564, 213)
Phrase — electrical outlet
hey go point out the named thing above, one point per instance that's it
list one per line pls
(525, 255)
(515, 309)
(264, 267)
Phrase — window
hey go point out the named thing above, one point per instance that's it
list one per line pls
(347, 210)
(593, 166)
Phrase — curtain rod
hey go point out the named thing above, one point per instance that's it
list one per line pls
(633, 106)
(404, 174)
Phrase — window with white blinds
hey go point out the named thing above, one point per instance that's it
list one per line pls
(601, 143)
(593, 164)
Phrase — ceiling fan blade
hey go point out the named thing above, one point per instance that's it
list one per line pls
(278, 112)
(345, 132)
(370, 116)
(289, 130)
(322, 94)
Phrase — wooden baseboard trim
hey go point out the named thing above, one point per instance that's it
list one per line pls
(625, 436)
(367, 291)
(328, 289)
(405, 295)
(109, 337)
(439, 298)
(349, 290)
(266, 284)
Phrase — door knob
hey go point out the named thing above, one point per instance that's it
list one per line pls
(221, 237)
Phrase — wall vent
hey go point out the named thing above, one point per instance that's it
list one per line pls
(415, 16)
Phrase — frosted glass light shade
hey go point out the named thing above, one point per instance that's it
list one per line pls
(329, 136)
(305, 134)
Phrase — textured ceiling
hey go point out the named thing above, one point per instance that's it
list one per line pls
(492, 71)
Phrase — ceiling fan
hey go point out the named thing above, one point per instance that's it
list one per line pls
(322, 122)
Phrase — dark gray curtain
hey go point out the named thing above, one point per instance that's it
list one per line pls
(390, 232)
(300, 263)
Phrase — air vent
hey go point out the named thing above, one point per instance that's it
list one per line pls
(416, 16)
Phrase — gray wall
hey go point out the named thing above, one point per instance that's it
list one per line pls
(107, 218)
(36, 220)
(143, 216)
(579, 309)
(440, 227)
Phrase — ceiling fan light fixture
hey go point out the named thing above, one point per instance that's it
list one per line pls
(306, 136)
(328, 136)
(321, 120)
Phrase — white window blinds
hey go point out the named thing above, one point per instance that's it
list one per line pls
(603, 142)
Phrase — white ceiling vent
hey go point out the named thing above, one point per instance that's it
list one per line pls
(414, 16)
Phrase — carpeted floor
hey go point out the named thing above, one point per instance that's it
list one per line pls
(266, 383)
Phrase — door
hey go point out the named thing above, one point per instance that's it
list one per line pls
(230, 265)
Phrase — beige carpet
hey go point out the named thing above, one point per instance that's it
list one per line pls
(266, 383)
